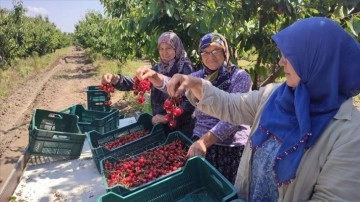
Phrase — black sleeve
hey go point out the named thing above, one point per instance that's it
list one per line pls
(125, 83)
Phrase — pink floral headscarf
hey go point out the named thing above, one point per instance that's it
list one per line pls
(180, 59)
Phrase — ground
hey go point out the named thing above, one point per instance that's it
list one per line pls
(59, 86)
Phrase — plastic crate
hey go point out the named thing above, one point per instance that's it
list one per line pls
(55, 134)
(199, 181)
(122, 190)
(156, 136)
(101, 121)
(96, 99)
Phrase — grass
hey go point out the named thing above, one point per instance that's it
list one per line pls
(21, 69)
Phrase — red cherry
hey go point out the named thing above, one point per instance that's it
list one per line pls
(177, 111)
(172, 123)
(140, 99)
(168, 104)
(168, 117)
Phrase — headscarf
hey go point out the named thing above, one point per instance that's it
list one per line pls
(177, 64)
(327, 59)
(219, 41)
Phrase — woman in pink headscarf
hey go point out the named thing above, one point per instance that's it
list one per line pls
(173, 59)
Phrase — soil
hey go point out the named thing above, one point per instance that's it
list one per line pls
(57, 87)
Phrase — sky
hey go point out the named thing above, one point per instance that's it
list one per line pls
(63, 13)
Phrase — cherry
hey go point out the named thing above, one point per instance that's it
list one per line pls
(172, 123)
(109, 89)
(140, 88)
(172, 108)
(177, 111)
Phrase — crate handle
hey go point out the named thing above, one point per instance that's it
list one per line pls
(62, 137)
(217, 181)
(58, 116)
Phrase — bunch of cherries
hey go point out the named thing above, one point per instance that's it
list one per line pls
(140, 88)
(173, 110)
(109, 89)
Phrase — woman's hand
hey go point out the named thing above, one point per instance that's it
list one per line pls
(147, 73)
(179, 83)
(110, 78)
(198, 148)
(158, 119)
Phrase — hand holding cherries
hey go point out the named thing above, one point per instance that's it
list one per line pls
(140, 88)
(173, 110)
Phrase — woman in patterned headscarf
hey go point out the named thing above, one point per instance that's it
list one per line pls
(226, 141)
(173, 59)
(305, 141)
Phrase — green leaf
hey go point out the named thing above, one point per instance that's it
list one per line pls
(169, 9)
(203, 27)
(339, 12)
(193, 30)
(356, 26)
(216, 20)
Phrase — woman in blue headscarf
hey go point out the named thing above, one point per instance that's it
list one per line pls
(305, 139)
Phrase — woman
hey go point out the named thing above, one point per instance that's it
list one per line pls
(305, 141)
(173, 59)
(224, 141)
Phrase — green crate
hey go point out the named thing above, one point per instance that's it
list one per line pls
(96, 99)
(122, 190)
(199, 181)
(156, 136)
(55, 134)
(101, 121)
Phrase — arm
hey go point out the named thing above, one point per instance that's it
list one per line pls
(155, 78)
(120, 82)
(240, 83)
(125, 83)
(339, 177)
(180, 83)
(199, 146)
(235, 108)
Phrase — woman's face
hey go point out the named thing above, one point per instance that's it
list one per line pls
(166, 52)
(292, 78)
(213, 57)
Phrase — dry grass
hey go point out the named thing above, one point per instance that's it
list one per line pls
(21, 69)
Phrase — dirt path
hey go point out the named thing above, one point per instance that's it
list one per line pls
(61, 85)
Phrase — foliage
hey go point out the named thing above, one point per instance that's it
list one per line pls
(22, 36)
(132, 27)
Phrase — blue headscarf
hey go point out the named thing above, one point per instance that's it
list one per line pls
(327, 59)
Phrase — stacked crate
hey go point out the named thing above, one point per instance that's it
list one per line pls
(100, 121)
(97, 99)
(55, 134)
